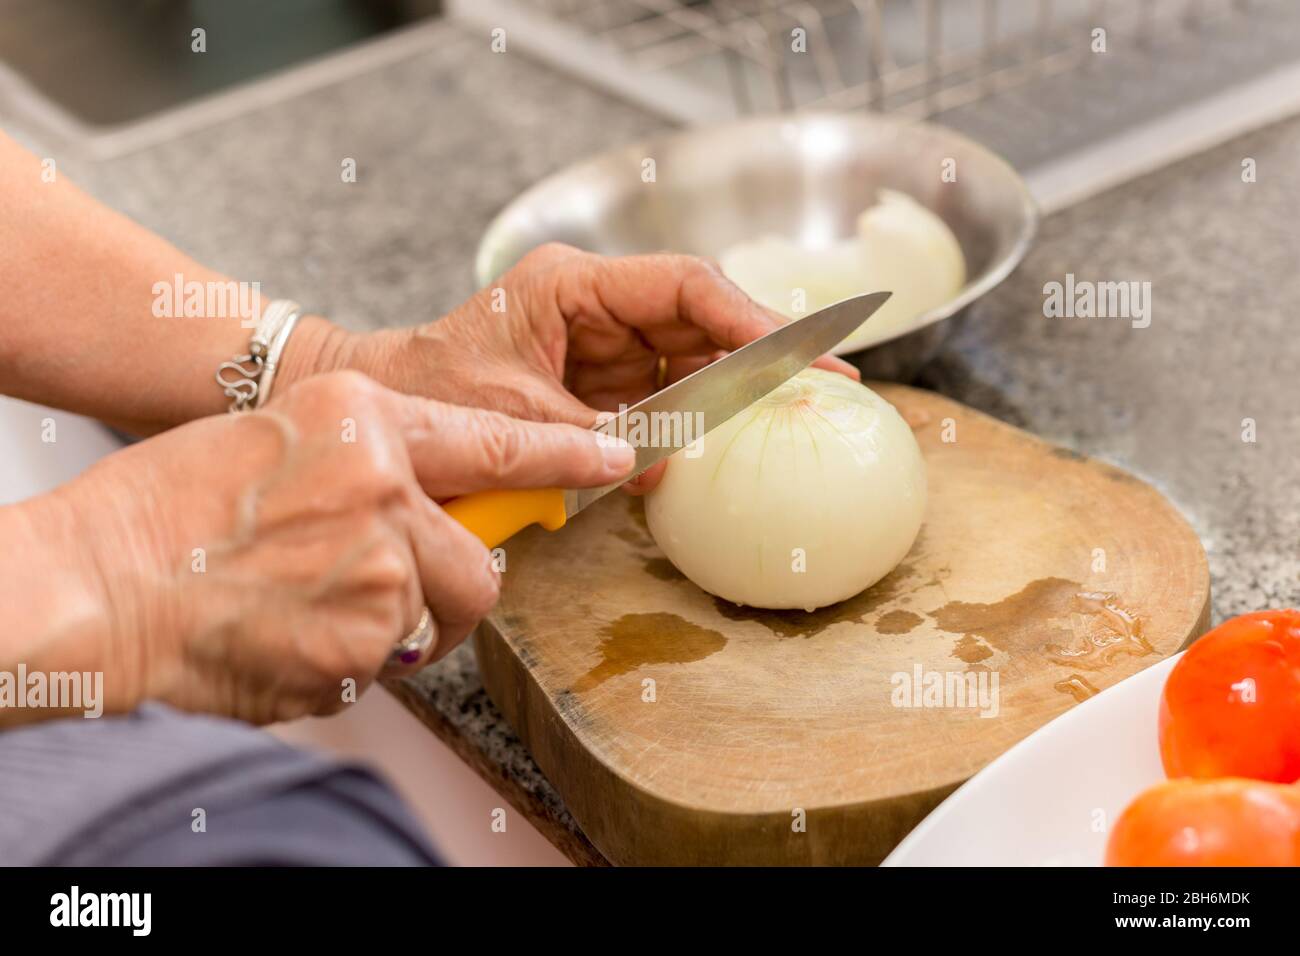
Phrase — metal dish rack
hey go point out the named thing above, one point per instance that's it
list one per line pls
(699, 60)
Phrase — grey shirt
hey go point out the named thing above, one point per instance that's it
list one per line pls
(162, 787)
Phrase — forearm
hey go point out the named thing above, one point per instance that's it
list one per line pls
(89, 321)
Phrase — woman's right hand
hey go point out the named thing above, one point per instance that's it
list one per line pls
(251, 564)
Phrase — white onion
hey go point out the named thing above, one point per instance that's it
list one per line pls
(824, 468)
(900, 246)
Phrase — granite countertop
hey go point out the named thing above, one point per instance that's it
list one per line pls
(444, 139)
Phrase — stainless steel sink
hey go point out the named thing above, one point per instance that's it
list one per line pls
(109, 64)
(107, 78)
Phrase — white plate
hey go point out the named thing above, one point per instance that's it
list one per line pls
(1050, 800)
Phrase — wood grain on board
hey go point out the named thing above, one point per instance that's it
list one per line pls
(680, 728)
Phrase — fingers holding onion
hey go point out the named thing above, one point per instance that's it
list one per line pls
(806, 498)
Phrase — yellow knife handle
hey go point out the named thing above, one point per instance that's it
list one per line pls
(493, 516)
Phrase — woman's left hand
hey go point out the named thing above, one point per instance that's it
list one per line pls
(560, 336)
(565, 334)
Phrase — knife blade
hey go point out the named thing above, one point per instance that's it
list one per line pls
(710, 396)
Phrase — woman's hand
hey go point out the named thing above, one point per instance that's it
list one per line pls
(561, 336)
(252, 564)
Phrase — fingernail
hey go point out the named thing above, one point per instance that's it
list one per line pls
(619, 457)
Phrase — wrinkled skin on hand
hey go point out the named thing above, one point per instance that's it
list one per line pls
(566, 334)
(256, 588)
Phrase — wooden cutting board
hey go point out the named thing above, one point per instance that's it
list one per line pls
(680, 728)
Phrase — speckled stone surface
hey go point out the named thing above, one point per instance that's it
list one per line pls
(1168, 402)
(441, 142)
(445, 139)
(454, 690)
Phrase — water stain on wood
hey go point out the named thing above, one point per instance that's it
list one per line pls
(635, 640)
(1077, 686)
(632, 536)
(897, 622)
(1043, 609)
(1122, 634)
(1015, 621)
(808, 623)
(663, 569)
(971, 650)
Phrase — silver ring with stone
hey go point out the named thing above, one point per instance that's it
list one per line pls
(412, 648)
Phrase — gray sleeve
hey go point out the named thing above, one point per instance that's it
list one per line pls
(129, 791)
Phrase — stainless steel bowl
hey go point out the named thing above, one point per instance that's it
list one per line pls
(807, 177)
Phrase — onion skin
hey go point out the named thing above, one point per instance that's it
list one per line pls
(822, 473)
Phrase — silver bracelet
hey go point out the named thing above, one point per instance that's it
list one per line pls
(246, 379)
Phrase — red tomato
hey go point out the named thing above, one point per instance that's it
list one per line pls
(1231, 706)
(1230, 822)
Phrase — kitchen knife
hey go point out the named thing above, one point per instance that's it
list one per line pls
(714, 393)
